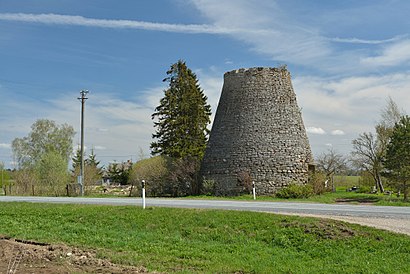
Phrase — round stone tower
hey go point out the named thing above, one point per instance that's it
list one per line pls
(257, 135)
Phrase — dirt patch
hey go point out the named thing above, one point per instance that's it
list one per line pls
(324, 229)
(365, 200)
(20, 256)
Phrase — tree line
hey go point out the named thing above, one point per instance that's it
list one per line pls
(383, 155)
(181, 123)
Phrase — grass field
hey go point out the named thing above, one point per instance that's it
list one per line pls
(211, 241)
(342, 183)
(341, 195)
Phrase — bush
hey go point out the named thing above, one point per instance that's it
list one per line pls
(317, 181)
(208, 187)
(154, 171)
(244, 182)
(364, 189)
(366, 179)
(183, 177)
(165, 176)
(294, 191)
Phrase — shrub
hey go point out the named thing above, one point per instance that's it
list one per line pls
(183, 177)
(154, 171)
(244, 182)
(364, 189)
(317, 181)
(208, 187)
(294, 191)
(366, 179)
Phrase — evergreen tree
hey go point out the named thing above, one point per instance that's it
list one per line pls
(397, 160)
(182, 116)
(76, 159)
(92, 172)
(92, 160)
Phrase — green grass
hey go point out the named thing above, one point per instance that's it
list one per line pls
(346, 181)
(342, 183)
(210, 241)
(328, 198)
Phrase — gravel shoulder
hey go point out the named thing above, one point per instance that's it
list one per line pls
(392, 224)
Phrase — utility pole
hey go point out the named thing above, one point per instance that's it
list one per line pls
(81, 177)
(2, 177)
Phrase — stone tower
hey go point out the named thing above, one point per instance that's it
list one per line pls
(258, 134)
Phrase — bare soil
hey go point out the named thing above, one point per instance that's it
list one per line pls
(18, 256)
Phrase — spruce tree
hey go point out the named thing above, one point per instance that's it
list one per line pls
(182, 117)
(92, 160)
(397, 159)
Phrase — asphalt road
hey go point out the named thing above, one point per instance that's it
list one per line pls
(366, 211)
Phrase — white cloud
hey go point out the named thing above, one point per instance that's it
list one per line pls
(394, 54)
(351, 103)
(337, 132)
(267, 28)
(212, 86)
(241, 19)
(3, 145)
(364, 41)
(264, 25)
(100, 148)
(315, 130)
(59, 19)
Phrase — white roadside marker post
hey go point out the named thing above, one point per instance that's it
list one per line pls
(253, 190)
(143, 193)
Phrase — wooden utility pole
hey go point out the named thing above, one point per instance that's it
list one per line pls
(81, 177)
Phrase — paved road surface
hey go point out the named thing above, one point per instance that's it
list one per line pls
(389, 212)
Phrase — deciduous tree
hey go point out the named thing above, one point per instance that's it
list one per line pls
(52, 173)
(367, 154)
(45, 136)
(369, 149)
(331, 162)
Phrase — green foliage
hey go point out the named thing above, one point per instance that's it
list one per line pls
(155, 173)
(183, 177)
(182, 116)
(76, 161)
(92, 172)
(45, 137)
(52, 174)
(366, 179)
(370, 149)
(295, 191)
(170, 240)
(166, 176)
(208, 187)
(317, 181)
(368, 152)
(119, 172)
(397, 160)
(92, 159)
(4, 176)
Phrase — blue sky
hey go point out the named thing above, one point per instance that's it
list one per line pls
(345, 57)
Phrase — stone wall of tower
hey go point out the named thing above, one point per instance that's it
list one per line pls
(258, 130)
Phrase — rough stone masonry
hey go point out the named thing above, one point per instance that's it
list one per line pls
(258, 134)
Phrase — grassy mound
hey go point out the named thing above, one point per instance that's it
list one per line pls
(214, 241)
